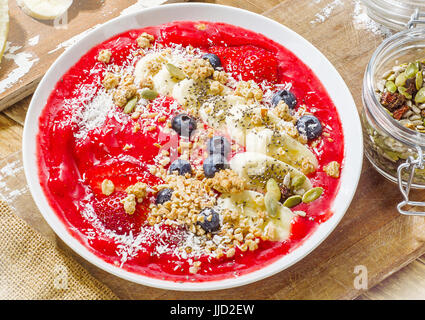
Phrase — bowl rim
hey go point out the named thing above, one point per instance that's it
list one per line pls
(353, 155)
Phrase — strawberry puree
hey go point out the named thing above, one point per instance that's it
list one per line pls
(71, 170)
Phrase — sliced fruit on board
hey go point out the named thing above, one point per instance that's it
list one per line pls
(280, 146)
(45, 9)
(250, 203)
(4, 25)
(258, 168)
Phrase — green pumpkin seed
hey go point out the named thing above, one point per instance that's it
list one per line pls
(391, 87)
(404, 92)
(391, 77)
(297, 181)
(149, 94)
(312, 194)
(292, 201)
(419, 80)
(388, 111)
(130, 105)
(401, 80)
(271, 204)
(420, 96)
(273, 188)
(411, 70)
(175, 71)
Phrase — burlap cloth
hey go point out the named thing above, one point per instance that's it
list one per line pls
(31, 267)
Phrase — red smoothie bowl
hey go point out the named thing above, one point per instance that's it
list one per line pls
(55, 164)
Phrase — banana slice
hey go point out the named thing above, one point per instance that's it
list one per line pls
(239, 121)
(250, 203)
(257, 168)
(4, 25)
(143, 69)
(184, 92)
(45, 9)
(163, 82)
(280, 146)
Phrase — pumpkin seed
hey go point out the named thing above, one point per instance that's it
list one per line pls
(420, 96)
(129, 107)
(401, 80)
(391, 87)
(297, 181)
(292, 201)
(273, 188)
(404, 92)
(312, 194)
(419, 80)
(391, 77)
(175, 71)
(271, 204)
(411, 70)
(149, 94)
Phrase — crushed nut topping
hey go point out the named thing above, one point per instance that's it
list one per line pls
(220, 76)
(216, 87)
(144, 40)
(129, 203)
(104, 56)
(227, 181)
(198, 69)
(249, 90)
(138, 189)
(125, 91)
(110, 81)
(108, 187)
(332, 169)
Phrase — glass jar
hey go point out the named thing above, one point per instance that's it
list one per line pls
(394, 14)
(394, 150)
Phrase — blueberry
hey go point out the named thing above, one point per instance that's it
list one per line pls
(213, 164)
(287, 96)
(309, 126)
(181, 166)
(218, 145)
(213, 59)
(211, 221)
(163, 195)
(184, 125)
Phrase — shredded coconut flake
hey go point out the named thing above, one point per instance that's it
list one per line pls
(24, 62)
(362, 21)
(326, 11)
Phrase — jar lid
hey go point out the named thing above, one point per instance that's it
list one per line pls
(394, 14)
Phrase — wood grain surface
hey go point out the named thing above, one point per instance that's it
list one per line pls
(372, 234)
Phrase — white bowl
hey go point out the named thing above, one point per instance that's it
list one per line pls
(330, 78)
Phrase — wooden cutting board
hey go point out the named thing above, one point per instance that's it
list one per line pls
(372, 238)
(38, 43)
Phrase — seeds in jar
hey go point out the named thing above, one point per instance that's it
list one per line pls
(402, 93)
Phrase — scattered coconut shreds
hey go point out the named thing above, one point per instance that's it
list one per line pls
(326, 12)
(23, 61)
(362, 21)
